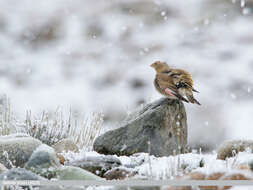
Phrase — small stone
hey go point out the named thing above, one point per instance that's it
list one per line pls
(96, 164)
(65, 145)
(119, 173)
(231, 148)
(15, 150)
(251, 165)
(43, 162)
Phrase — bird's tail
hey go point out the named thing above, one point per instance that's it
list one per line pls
(192, 99)
(180, 97)
(194, 90)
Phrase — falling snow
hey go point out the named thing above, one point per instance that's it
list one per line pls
(86, 55)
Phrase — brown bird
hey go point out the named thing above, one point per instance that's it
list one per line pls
(174, 83)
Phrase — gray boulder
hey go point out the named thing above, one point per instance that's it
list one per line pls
(251, 165)
(43, 162)
(96, 164)
(15, 150)
(232, 147)
(159, 128)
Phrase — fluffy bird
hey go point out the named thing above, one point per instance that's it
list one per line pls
(174, 83)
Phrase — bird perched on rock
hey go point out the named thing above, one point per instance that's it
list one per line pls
(174, 83)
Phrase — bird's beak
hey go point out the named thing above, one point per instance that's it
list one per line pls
(152, 65)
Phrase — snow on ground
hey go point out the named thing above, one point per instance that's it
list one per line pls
(96, 56)
(172, 166)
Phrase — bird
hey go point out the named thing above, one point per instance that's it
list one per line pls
(174, 83)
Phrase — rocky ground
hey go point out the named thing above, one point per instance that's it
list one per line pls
(150, 144)
(46, 163)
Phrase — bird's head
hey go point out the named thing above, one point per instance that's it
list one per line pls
(160, 66)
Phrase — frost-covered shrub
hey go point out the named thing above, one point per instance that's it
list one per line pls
(52, 128)
(6, 117)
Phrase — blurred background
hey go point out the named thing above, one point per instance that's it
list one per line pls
(95, 56)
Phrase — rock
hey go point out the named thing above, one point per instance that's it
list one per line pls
(65, 145)
(231, 148)
(19, 174)
(119, 173)
(251, 166)
(43, 162)
(2, 168)
(96, 164)
(16, 150)
(162, 123)
(75, 173)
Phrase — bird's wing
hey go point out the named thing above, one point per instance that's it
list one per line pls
(182, 76)
(166, 82)
(182, 79)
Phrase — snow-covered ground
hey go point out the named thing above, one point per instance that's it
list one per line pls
(174, 166)
(94, 56)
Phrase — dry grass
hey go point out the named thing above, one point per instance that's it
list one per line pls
(6, 117)
(51, 128)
